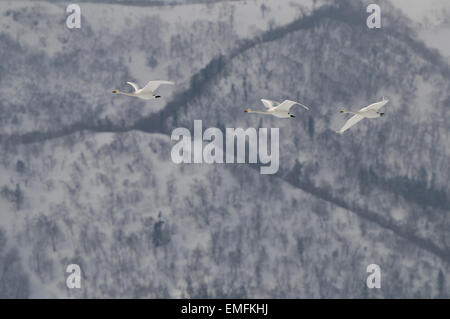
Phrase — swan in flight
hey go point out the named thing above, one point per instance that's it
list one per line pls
(276, 109)
(371, 111)
(147, 92)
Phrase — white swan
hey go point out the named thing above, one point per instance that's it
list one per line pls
(147, 92)
(276, 109)
(371, 111)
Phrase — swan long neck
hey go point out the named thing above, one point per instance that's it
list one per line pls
(125, 93)
(349, 112)
(258, 111)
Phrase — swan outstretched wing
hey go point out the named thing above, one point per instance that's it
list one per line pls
(134, 85)
(375, 106)
(352, 121)
(286, 106)
(153, 85)
(269, 104)
(304, 106)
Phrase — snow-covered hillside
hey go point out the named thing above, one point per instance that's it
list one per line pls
(56, 77)
(87, 178)
(431, 19)
(141, 226)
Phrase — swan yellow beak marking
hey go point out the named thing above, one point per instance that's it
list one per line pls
(115, 91)
(246, 111)
(342, 111)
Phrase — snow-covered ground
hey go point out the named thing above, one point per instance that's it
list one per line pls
(141, 226)
(130, 43)
(432, 19)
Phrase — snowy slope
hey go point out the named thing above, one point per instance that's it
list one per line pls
(115, 44)
(140, 226)
(432, 20)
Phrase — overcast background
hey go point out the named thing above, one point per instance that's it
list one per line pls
(86, 176)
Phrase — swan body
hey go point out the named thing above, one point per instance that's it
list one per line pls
(369, 112)
(147, 92)
(280, 110)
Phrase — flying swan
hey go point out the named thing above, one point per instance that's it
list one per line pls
(276, 109)
(147, 92)
(369, 112)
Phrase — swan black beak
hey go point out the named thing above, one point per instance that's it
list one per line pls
(381, 114)
(292, 115)
(157, 96)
